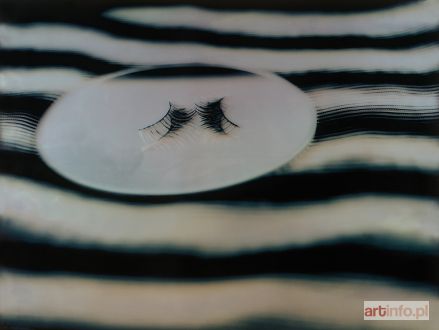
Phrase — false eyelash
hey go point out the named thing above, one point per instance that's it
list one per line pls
(213, 117)
(174, 120)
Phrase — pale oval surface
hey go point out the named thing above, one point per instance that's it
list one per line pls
(93, 135)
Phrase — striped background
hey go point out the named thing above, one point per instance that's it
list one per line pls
(354, 217)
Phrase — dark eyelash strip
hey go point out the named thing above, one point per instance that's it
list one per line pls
(174, 120)
(213, 117)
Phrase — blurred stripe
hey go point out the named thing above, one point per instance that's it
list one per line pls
(26, 58)
(61, 216)
(413, 17)
(135, 304)
(38, 9)
(382, 256)
(98, 44)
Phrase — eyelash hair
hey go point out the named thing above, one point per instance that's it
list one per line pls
(174, 120)
(213, 117)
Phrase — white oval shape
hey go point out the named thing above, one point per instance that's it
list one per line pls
(100, 134)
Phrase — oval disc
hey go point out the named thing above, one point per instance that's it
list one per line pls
(175, 129)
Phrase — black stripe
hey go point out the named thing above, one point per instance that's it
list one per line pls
(32, 104)
(169, 35)
(384, 108)
(226, 39)
(15, 147)
(343, 125)
(28, 58)
(324, 259)
(378, 111)
(48, 10)
(257, 322)
(313, 79)
(237, 40)
(13, 59)
(356, 132)
(391, 115)
(273, 189)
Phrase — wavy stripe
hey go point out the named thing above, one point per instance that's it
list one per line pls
(370, 125)
(428, 82)
(413, 152)
(17, 132)
(21, 120)
(276, 189)
(414, 17)
(384, 256)
(393, 89)
(156, 304)
(324, 79)
(335, 97)
(171, 34)
(209, 228)
(30, 104)
(385, 110)
(12, 129)
(411, 39)
(401, 114)
(253, 323)
(98, 44)
(14, 135)
(49, 10)
(188, 35)
(18, 147)
(31, 58)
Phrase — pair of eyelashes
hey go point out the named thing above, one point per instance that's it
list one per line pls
(211, 114)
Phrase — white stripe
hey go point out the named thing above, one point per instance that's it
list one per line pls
(125, 304)
(399, 151)
(47, 80)
(204, 228)
(332, 98)
(405, 19)
(17, 132)
(101, 45)
(13, 134)
(383, 88)
(19, 120)
(22, 122)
